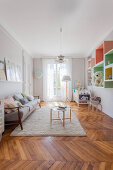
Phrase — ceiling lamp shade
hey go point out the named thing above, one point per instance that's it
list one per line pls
(60, 59)
(66, 78)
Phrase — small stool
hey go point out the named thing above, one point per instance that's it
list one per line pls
(94, 105)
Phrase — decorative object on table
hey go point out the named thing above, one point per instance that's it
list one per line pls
(2, 70)
(95, 102)
(98, 78)
(61, 107)
(66, 79)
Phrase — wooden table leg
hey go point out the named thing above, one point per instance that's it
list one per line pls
(101, 107)
(97, 108)
(92, 107)
(63, 118)
(51, 116)
(88, 107)
(70, 114)
(58, 114)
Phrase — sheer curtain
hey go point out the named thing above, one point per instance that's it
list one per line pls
(54, 89)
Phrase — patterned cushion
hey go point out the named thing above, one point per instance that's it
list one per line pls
(95, 100)
(6, 102)
(13, 105)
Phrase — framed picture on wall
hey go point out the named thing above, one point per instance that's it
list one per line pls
(13, 71)
(2, 70)
(18, 73)
(8, 69)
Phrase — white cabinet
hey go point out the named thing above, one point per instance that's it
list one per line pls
(81, 96)
(1, 117)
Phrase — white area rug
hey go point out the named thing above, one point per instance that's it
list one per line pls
(38, 124)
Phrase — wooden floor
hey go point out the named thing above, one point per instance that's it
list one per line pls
(82, 153)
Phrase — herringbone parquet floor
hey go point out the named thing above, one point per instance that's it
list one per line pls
(94, 152)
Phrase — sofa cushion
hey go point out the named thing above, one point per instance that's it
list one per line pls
(6, 102)
(14, 104)
(18, 96)
(29, 105)
(33, 102)
(24, 95)
(30, 98)
(24, 101)
(24, 111)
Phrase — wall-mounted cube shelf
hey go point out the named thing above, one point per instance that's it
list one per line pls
(102, 62)
(89, 71)
(93, 62)
(99, 68)
(103, 49)
(99, 54)
(108, 69)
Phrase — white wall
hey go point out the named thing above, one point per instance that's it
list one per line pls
(11, 49)
(106, 94)
(38, 83)
(77, 74)
(27, 74)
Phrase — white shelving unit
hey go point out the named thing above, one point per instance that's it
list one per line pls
(1, 117)
(89, 71)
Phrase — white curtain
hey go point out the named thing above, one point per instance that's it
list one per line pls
(54, 89)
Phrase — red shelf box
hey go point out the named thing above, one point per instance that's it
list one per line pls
(103, 49)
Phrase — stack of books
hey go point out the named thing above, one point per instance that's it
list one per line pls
(61, 107)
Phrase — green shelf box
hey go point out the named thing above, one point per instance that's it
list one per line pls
(99, 67)
(109, 58)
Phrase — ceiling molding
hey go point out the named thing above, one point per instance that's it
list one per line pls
(12, 37)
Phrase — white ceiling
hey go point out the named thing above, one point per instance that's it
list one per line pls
(36, 24)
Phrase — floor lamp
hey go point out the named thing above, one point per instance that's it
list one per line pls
(66, 79)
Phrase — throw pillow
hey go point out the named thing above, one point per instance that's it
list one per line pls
(24, 101)
(6, 102)
(24, 95)
(13, 105)
(18, 96)
(30, 98)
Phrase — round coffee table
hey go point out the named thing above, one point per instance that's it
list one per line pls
(57, 109)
